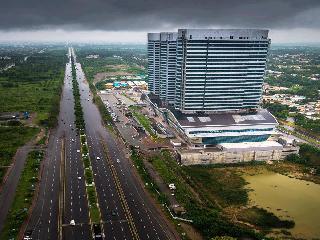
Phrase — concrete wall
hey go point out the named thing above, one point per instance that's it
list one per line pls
(206, 157)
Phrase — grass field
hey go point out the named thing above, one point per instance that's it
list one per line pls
(151, 185)
(208, 217)
(112, 59)
(23, 197)
(93, 208)
(34, 86)
(226, 186)
(145, 122)
(218, 184)
(11, 139)
(213, 196)
(264, 219)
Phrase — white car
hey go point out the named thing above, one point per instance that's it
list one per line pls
(72, 222)
(98, 158)
(172, 186)
(78, 151)
(118, 160)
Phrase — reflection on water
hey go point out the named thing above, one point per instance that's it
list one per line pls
(288, 198)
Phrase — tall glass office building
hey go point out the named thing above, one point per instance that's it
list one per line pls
(168, 42)
(154, 62)
(220, 70)
(214, 79)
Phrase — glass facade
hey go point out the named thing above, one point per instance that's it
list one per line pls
(234, 139)
(227, 131)
(154, 62)
(216, 74)
(168, 48)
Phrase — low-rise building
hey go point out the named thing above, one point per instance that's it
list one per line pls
(213, 129)
(109, 85)
(227, 137)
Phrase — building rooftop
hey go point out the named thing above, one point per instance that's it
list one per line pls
(168, 36)
(154, 36)
(245, 146)
(199, 34)
(261, 116)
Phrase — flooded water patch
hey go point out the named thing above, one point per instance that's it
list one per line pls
(288, 198)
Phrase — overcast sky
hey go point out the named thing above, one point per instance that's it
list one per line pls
(128, 21)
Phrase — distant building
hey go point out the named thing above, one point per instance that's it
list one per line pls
(154, 63)
(109, 85)
(117, 84)
(92, 56)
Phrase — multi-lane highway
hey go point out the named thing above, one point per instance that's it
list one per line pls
(73, 190)
(127, 211)
(62, 195)
(61, 211)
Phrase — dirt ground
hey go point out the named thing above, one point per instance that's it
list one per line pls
(103, 75)
(115, 70)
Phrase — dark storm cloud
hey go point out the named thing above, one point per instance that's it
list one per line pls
(151, 14)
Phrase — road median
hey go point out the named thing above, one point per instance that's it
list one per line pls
(91, 192)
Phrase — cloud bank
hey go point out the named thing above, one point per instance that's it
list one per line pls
(148, 15)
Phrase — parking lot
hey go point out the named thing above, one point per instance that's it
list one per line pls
(118, 106)
(126, 125)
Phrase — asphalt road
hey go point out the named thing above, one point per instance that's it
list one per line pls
(44, 220)
(118, 189)
(74, 191)
(62, 195)
(126, 209)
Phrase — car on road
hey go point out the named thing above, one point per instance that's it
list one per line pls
(98, 158)
(72, 222)
(78, 150)
(97, 234)
(118, 161)
(27, 235)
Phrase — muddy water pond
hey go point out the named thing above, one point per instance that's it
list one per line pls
(288, 198)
